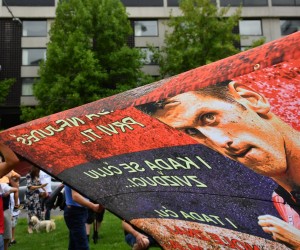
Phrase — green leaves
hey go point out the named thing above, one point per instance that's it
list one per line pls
(4, 88)
(87, 57)
(202, 34)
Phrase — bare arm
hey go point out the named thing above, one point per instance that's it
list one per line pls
(11, 190)
(14, 178)
(141, 239)
(11, 160)
(84, 202)
(129, 229)
(32, 188)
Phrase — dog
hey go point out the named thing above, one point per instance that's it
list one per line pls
(44, 225)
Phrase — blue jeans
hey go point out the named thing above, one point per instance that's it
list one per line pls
(131, 240)
(75, 218)
(1, 242)
(45, 207)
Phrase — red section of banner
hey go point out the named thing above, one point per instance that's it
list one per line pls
(269, 54)
(76, 140)
(182, 235)
(280, 84)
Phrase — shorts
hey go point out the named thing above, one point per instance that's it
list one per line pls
(14, 221)
(95, 216)
(7, 225)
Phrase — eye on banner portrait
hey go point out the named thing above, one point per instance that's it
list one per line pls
(207, 159)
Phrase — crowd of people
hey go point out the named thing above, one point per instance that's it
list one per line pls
(79, 212)
(7, 163)
(34, 201)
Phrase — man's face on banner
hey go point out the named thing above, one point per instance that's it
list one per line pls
(234, 130)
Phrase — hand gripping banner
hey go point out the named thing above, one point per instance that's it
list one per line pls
(207, 159)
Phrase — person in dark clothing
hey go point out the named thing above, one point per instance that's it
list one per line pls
(75, 215)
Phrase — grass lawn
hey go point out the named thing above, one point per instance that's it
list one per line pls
(111, 236)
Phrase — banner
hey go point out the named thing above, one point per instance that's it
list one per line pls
(207, 159)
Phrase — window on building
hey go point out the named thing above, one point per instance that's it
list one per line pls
(148, 60)
(286, 2)
(250, 27)
(289, 26)
(27, 86)
(32, 57)
(30, 2)
(35, 28)
(146, 28)
(144, 3)
(174, 3)
(244, 2)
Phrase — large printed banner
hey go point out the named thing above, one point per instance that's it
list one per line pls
(208, 159)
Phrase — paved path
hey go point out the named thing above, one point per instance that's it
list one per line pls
(54, 212)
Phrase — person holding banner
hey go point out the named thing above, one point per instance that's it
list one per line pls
(236, 121)
(136, 239)
(75, 215)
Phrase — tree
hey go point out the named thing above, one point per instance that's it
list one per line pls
(202, 34)
(4, 88)
(87, 57)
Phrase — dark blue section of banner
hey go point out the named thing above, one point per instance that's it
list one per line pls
(190, 182)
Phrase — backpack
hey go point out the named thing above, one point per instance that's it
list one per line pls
(57, 198)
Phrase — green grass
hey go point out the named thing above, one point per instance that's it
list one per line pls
(111, 236)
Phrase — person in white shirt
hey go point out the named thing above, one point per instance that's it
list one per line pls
(45, 179)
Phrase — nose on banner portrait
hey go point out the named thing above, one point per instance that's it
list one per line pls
(207, 159)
